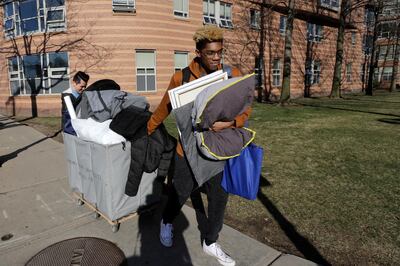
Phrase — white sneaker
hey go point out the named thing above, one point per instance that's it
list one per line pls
(215, 250)
(166, 234)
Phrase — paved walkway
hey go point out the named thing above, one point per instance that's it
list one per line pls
(37, 210)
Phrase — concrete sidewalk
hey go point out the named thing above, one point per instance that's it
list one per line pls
(37, 209)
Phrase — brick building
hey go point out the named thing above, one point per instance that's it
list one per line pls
(139, 44)
(387, 44)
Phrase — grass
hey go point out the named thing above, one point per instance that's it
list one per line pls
(330, 181)
(331, 170)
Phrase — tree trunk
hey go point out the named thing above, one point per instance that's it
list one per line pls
(337, 74)
(395, 63)
(373, 57)
(287, 57)
(308, 70)
(261, 65)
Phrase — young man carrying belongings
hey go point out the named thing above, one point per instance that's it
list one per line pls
(209, 49)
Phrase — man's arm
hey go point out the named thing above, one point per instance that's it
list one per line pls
(164, 108)
(239, 121)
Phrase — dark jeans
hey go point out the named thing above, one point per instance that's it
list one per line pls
(183, 184)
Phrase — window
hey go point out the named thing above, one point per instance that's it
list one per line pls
(386, 52)
(217, 12)
(353, 38)
(383, 74)
(282, 25)
(31, 16)
(387, 74)
(181, 8)
(146, 70)
(255, 19)
(367, 43)
(369, 17)
(39, 73)
(316, 72)
(387, 30)
(331, 4)
(180, 60)
(391, 8)
(348, 72)
(123, 6)
(225, 15)
(314, 32)
(276, 72)
(209, 12)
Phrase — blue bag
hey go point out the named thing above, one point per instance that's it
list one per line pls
(242, 173)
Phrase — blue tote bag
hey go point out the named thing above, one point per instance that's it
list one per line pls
(242, 173)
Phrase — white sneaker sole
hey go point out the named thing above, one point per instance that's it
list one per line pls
(224, 263)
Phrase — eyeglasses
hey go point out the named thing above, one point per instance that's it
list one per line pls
(212, 54)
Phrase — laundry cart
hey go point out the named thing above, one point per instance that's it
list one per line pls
(97, 176)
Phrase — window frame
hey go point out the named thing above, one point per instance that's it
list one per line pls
(386, 52)
(181, 13)
(282, 25)
(146, 69)
(276, 72)
(353, 38)
(315, 72)
(225, 22)
(315, 32)
(391, 32)
(40, 18)
(186, 53)
(349, 72)
(255, 18)
(128, 7)
(209, 18)
(386, 76)
(46, 77)
(329, 4)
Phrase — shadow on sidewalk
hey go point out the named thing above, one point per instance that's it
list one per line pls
(14, 154)
(301, 243)
(148, 246)
(5, 125)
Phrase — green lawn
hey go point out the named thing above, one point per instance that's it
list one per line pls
(330, 189)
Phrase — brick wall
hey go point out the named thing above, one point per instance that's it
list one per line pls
(112, 40)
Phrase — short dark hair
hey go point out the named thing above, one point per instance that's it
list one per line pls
(80, 75)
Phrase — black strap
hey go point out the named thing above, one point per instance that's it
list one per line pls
(228, 70)
(186, 73)
(102, 102)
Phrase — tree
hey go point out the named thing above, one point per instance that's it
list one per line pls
(396, 51)
(347, 7)
(287, 56)
(75, 38)
(376, 7)
(251, 41)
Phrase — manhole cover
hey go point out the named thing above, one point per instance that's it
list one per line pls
(81, 251)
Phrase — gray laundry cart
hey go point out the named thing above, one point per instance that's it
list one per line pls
(97, 175)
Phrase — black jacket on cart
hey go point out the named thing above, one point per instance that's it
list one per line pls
(148, 153)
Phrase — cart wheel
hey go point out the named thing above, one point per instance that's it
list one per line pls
(96, 215)
(115, 228)
(79, 202)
